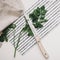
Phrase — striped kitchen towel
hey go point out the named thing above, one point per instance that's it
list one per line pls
(53, 16)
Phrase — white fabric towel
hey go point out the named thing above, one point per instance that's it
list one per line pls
(10, 10)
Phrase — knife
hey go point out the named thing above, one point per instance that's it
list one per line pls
(36, 36)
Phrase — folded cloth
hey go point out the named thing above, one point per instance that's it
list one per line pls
(10, 10)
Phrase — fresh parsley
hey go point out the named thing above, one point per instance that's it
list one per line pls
(3, 36)
(37, 17)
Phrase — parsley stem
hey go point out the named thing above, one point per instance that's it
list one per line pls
(15, 52)
(14, 39)
(17, 43)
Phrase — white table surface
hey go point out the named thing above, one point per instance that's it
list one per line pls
(51, 43)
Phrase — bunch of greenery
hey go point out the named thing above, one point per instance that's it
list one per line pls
(37, 17)
(3, 36)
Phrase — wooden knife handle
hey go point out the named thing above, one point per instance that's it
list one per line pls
(42, 49)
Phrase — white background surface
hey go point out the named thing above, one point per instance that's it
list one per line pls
(51, 43)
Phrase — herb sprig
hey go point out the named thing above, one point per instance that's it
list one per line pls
(16, 44)
(3, 36)
(37, 17)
